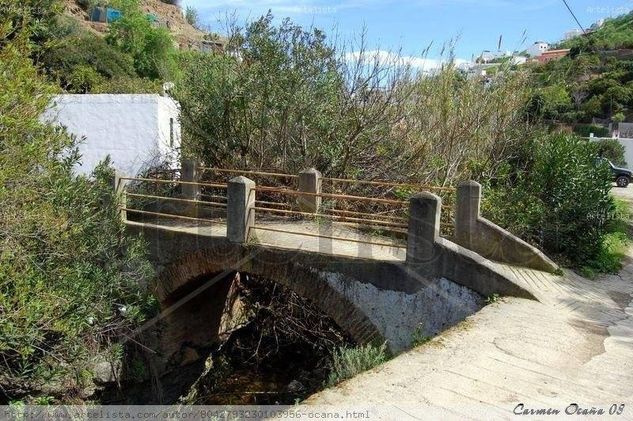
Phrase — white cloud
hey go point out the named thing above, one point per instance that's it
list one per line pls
(422, 64)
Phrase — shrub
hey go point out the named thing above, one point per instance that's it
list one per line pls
(151, 48)
(82, 50)
(191, 15)
(67, 268)
(612, 150)
(286, 98)
(614, 244)
(128, 85)
(555, 195)
(349, 362)
(585, 130)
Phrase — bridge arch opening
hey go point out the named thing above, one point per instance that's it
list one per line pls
(268, 341)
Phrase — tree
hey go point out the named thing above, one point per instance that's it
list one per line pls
(285, 98)
(151, 48)
(619, 118)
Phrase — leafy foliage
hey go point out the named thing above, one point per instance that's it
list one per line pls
(595, 81)
(191, 16)
(66, 267)
(285, 98)
(612, 150)
(556, 195)
(616, 33)
(150, 47)
(585, 130)
(82, 61)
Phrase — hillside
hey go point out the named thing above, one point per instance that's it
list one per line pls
(594, 84)
(169, 15)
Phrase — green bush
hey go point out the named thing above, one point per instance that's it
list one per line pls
(556, 196)
(612, 150)
(614, 244)
(585, 130)
(349, 362)
(84, 48)
(70, 279)
(151, 48)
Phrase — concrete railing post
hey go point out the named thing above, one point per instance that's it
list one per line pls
(190, 173)
(425, 211)
(309, 182)
(120, 185)
(240, 213)
(468, 208)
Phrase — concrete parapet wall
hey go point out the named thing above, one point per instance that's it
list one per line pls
(431, 255)
(489, 240)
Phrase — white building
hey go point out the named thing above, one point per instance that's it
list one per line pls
(538, 48)
(136, 131)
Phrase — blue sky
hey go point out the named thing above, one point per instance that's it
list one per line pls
(414, 24)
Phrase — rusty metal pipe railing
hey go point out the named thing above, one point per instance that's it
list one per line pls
(262, 173)
(188, 183)
(330, 196)
(167, 215)
(389, 184)
(333, 217)
(177, 199)
(355, 213)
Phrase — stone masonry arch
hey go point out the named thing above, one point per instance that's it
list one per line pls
(214, 267)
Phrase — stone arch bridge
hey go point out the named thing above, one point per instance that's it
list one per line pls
(375, 290)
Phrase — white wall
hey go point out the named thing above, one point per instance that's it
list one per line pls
(628, 151)
(537, 49)
(132, 129)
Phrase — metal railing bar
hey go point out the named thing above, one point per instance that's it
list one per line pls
(346, 212)
(273, 203)
(213, 196)
(389, 184)
(177, 199)
(333, 217)
(189, 183)
(168, 215)
(258, 227)
(330, 196)
(262, 173)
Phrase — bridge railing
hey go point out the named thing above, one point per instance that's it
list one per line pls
(170, 199)
(373, 229)
(311, 181)
(377, 212)
(399, 218)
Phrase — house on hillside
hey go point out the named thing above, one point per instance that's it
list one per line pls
(136, 131)
(551, 55)
(537, 48)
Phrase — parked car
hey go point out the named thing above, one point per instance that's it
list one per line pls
(621, 176)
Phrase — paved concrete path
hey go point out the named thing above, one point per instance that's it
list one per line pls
(574, 345)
